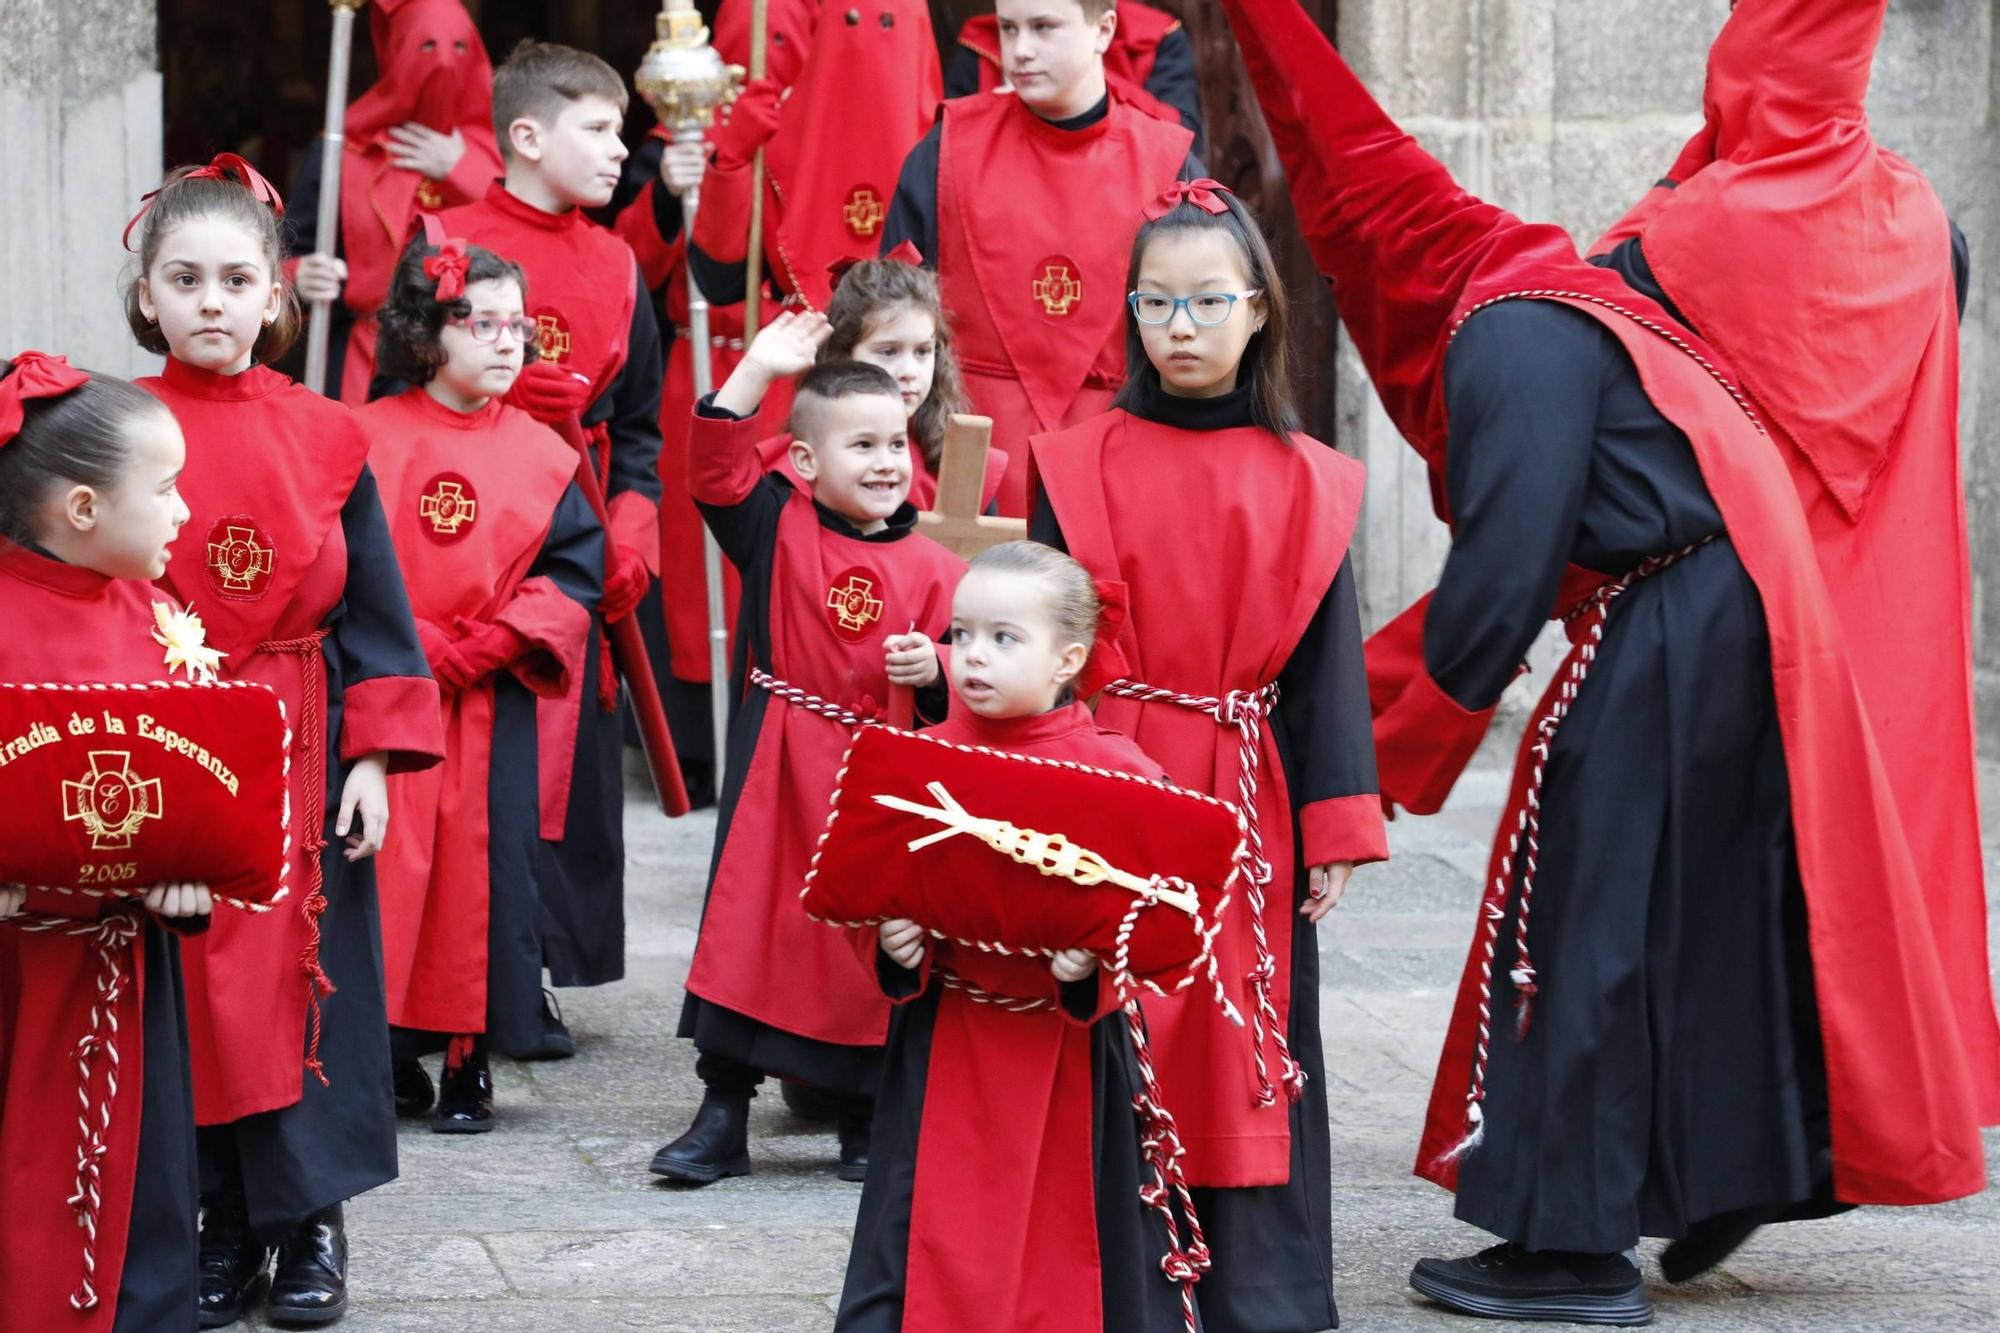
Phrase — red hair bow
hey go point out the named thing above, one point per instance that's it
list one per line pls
(447, 266)
(1204, 194)
(34, 375)
(1107, 660)
(904, 253)
(221, 167)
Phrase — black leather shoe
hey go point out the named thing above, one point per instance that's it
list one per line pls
(1710, 1241)
(233, 1265)
(555, 1042)
(465, 1102)
(1508, 1282)
(310, 1288)
(415, 1093)
(854, 1149)
(809, 1103)
(716, 1145)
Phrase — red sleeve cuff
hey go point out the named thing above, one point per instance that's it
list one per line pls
(723, 464)
(554, 629)
(722, 223)
(658, 257)
(1344, 828)
(635, 526)
(1423, 741)
(396, 714)
(466, 183)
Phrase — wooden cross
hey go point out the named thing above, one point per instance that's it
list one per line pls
(956, 523)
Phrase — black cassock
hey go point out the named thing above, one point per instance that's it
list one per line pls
(1672, 1068)
(158, 1285)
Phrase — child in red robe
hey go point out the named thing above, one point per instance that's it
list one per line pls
(1230, 529)
(87, 511)
(290, 561)
(503, 559)
(1055, 1087)
(421, 139)
(558, 111)
(1026, 203)
(841, 599)
(1150, 61)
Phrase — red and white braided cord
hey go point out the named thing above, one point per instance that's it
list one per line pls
(312, 760)
(1591, 616)
(1245, 710)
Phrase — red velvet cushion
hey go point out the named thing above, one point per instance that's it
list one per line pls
(962, 888)
(120, 787)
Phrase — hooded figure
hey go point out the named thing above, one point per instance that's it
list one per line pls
(1867, 421)
(1705, 988)
(434, 73)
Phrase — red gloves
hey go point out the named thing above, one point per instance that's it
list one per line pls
(753, 119)
(625, 581)
(548, 393)
(479, 651)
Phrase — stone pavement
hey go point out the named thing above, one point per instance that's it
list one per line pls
(551, 1224)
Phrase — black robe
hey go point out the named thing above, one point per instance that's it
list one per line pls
(1672, 1068)
(1273, 1245)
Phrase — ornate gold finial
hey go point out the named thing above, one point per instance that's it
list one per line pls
(682, 78)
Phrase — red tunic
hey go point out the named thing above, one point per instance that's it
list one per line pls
(1127, 64)
(1413, 255)
(448, 90)
(1037, 303)
(469, 497)
(833, 599)
(1275, 518)
(91, 629)
(1790, 219)
(263, 561)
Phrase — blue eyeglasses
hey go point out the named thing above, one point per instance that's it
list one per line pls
(1207, 309)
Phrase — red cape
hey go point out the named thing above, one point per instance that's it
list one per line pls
(1788, 218)
(1278, 515)
(1037, 304)
(446, 88)
(1412, 256)
(1128, 63)
(759, 954)
(508, 471)
(263, 561)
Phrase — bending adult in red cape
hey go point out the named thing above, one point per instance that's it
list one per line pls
(1151, 62)
(434, 74)
(288, 560)
(1785, 168)
(1028, 1115)
(92, 629)
(1720, 713)
(503, 559)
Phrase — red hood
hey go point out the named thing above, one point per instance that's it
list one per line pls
(1788, 222)
(444, 88)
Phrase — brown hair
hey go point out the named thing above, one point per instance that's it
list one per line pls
(1267, 361)
(830, 381)
(79, 438)
(867, 292)
(408, 347)
(539, 79)
(1073, 606)
(185, 197)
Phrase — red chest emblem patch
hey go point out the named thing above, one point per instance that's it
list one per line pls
(853, 603)
(1057, 286)
(240, 558)
(552, 335)
(448, 507)
(864, 211)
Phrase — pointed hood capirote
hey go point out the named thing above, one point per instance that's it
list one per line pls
(1787, 219)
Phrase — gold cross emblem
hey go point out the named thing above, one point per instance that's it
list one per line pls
(448, 508)
(111, 802)
(864, 212)
(854, 604)
(552, 336)
(238, 558)
(1058, 289)
(429, 197)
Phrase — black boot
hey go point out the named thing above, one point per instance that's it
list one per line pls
(1710, 1241)
(465, 1102)
(854, 1148)
(555, 1043)
(310, 1287)
(1508, 1282)
(809, 1103)
(716, 1145)
(234, 1264)
(415, 1093)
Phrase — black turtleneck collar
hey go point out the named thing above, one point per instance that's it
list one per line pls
(1150, 402)
(900, 524)
(1088, 118)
